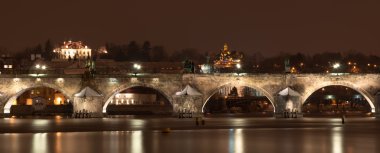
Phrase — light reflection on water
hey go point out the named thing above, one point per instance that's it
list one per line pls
(236, 141)
(58, 142)
(39, 142)
(337, 140)
(137, 142)
(291, 140)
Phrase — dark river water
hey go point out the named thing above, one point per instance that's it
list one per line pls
(235, 140)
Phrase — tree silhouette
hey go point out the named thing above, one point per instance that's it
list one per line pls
(158, 54)
(133, 51)
(145, 51)
(48, 50)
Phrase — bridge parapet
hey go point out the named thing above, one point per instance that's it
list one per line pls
(208, 84)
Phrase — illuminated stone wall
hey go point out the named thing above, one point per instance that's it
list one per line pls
(14, 86)
(208, 84)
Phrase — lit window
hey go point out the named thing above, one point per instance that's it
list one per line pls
(5, 66)
(10, 66)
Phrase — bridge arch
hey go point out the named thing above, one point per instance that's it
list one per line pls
(14, 96)
(127, 86)
(261, 90)
(370, 99)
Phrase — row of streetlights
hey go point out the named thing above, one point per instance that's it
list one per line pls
(137, 67)
(40, 67)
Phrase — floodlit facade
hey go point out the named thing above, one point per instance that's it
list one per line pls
(73, 50)
(227, 59)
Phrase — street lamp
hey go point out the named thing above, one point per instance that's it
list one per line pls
(40, 67)
(137, 67)
(238, 66)
(336, 66)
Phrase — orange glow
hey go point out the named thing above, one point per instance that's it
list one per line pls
(58, 101)
(293, 70)
(29, 101)
(355, 69)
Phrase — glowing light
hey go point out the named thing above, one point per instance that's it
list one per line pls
(60, 80)
(38, 66)
(29, 101)
(336, 65)
(156, 80)
(293, 70)
(238, 66)
(16, 80)
(58, 101)
(289, 105)
(137, 66)
(134, 80)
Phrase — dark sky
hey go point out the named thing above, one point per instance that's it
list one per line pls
(267, 26)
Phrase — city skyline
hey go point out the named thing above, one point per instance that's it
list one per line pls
(269, 28)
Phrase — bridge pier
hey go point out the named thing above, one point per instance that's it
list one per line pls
(288, 107)
(377, 105)
(188, 105)
(89, 102)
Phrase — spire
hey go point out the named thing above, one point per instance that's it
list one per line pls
(225, 47)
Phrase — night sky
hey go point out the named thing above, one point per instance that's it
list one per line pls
(269, 26)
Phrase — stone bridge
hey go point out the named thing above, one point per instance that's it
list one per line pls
(208, 84)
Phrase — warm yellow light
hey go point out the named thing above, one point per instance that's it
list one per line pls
(58, 101)
(29, 101)
(14, 102)
(293, 70)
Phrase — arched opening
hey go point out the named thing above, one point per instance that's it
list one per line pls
(239, 100)
(336, 100)
(138, 100)
(41, 100)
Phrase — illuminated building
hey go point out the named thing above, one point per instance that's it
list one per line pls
(227, 60)
(134, 99)
(73, 50)
(49, 96)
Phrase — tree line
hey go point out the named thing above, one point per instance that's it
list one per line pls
(252, 62)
